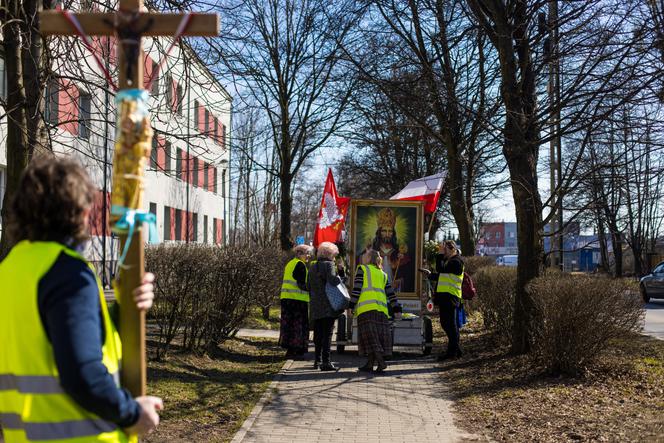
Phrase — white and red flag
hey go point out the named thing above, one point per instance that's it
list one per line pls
(332, 214)
(426, 189)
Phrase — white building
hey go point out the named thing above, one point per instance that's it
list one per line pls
(188, 178)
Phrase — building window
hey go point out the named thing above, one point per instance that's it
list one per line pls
(153, 210)
(214, 231)
(52, 102)
(511, 234)
(3, 186)
(155, 78)
(167, 157)
(3, 79)
(207, 122)
(178, 164)
(194, 222)
(488, 236)
(216, 130)
(167, 223)
(206, 179)
(153, 153)
(497, 235)
(178, 224)
(223, 183)
(195, 172)
(196, 105)
(169, 91)
(215, 180)
(205, 229)
(84, 111)
(180, 97)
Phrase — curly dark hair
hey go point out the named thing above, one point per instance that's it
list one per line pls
(51, 202)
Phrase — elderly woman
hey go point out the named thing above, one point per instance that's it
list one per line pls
(371, 294)
(324, 271)
(294, 328)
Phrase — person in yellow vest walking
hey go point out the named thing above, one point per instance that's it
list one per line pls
(448, 279)
(61, 352)
(372, 292)
(294, 326)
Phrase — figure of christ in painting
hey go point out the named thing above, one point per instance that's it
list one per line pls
(396, 261)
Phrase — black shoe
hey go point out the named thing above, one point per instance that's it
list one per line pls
(316, 364)
(289, 354)
(327, 366)
(444, 357)
(379, 370)
(365, 368)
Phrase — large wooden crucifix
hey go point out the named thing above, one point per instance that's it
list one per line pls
(129, 23)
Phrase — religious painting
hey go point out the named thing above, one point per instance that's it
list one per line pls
(394, 229)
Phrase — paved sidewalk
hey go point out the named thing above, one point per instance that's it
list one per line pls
(407, 404)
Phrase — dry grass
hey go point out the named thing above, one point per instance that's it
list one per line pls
(506, 398)
(208, 398)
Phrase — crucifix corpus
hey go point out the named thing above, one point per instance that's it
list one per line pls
(132, 147)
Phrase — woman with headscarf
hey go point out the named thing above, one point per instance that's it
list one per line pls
(371, 294)
(294, 326)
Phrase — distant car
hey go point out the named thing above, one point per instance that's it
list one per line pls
(508, 260)
(652, 285)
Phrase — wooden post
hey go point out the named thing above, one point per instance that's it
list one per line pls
(132, 322)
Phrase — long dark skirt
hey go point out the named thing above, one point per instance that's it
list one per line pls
(374, 335)
(294, 328)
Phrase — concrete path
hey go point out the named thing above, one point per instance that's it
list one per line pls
(654, 321)
(260, 333)
(407, 404)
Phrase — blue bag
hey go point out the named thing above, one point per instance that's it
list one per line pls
(461, 316)
(338, 296)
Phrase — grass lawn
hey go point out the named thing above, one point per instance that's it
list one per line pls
(208, 398)
(256, 320)
(506, 398)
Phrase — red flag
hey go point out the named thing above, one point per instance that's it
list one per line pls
(332, 214)
(426, 189)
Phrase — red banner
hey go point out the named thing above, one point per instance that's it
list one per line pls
(332, 214)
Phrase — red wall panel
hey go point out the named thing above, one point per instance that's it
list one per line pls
(161, 153)
(96, 221)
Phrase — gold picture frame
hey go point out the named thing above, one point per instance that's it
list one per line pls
(394, 227)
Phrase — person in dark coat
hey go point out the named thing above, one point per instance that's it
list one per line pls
(321, 313)
(447, 280)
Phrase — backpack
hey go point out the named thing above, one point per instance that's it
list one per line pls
(468, 291)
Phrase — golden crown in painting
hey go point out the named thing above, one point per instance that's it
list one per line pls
(386, 218)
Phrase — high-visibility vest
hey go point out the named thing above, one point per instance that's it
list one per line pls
(289, 288)
(450, 283)
(372, 296)
(33, 405)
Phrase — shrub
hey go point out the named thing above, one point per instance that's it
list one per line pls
(496, 288)
(474, 263)
(203, 294)
(576, 318)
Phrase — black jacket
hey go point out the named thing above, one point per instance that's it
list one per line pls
(322, 272)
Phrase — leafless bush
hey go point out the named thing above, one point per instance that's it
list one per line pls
(473, 263)
(496, 289)
(203, 294)
(576, 318)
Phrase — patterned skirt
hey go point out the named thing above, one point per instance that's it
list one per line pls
(374, 334)
(294, 327)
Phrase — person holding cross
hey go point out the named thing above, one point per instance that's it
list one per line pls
(61, 352)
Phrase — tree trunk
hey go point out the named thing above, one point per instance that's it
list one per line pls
(265, 312)
(616, 243)
(285, 206)
(18, 154)
(528, 204)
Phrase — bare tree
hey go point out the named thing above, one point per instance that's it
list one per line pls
(25, 59)
(284, 56)
(593, 44)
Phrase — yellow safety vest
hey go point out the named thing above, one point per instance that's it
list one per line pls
(450, 283)
(289, 288)
(372, 296)
(33, 406)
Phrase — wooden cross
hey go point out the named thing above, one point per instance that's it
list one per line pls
(131, 21)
